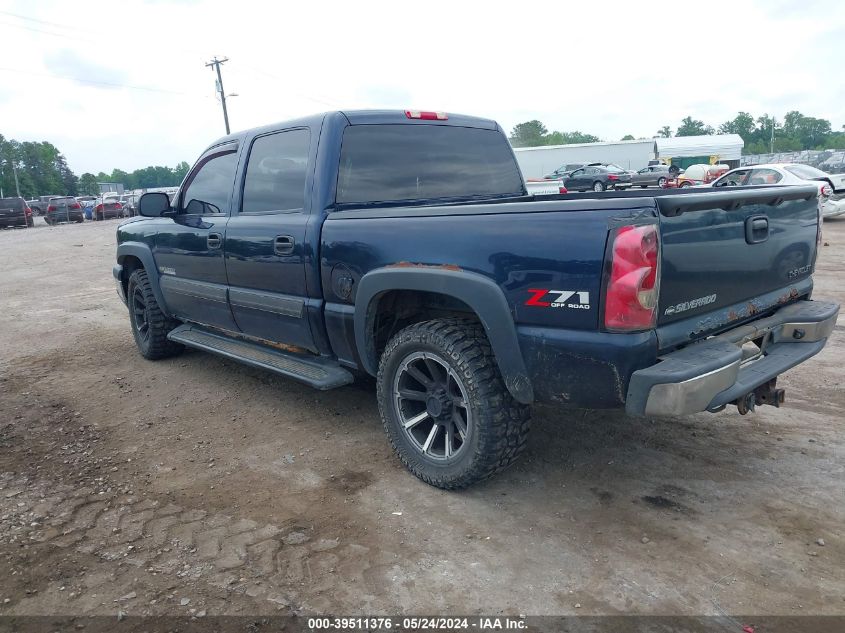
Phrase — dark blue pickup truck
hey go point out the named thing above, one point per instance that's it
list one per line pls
(404, 245)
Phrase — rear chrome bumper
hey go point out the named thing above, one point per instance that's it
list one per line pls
(718, 371)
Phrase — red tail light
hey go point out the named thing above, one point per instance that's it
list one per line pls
(826, 191)
(98, 208)
(630, 301)
(612, 177)
(118, 206)
(27, 211)
(75, 205)
(426, 116)
(51, 207)
(562, 189)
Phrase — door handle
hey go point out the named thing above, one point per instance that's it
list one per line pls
(214, 240)
(756, 229)
(283, 245)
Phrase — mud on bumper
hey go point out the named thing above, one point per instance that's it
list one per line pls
(706, 376)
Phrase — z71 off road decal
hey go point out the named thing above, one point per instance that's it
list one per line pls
(545, 298)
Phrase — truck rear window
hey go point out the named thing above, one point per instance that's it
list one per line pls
(385, 163)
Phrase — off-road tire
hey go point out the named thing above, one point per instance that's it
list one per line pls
(500, 423)
(156, 346)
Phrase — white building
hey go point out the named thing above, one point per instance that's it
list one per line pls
(536, 162)
(683, 151)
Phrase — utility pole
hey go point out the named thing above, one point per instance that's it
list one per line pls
(771, 143)
(17, 186)
(216, 63)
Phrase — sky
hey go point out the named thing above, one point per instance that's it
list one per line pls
(124, 84)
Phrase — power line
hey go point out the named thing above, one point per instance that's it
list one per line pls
(103, 83)
(71, 27)
(216, 63)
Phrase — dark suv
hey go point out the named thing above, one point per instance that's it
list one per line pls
(14, 212)
(598, 177)
(64, 209)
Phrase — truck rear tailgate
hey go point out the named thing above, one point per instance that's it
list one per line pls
(726, 254)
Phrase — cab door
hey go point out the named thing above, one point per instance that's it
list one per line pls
(265, 247)
(576, 179)
(188, 246)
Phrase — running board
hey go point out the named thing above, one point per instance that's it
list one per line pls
(314, 371)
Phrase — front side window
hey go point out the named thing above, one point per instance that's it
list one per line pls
(732, 178)
(385, 163)
(210, 189)
(275, 173)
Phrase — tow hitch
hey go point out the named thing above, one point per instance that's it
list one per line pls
(764, 394)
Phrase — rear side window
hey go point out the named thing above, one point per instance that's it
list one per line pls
(210, 188)
(764, 177)
(275, 173)
(382, 163)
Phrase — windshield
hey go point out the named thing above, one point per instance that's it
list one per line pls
(805, 171)
(383, 163)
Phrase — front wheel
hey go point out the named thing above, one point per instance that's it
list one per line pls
(661, 182)
(598, 186)
(445, 406)
(150, 326)
(685, 184)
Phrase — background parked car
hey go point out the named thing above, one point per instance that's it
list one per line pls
(63, 209)
(653, 175)
(598, 177)
(564, 171)
(14, 212)
(831, 186)
(129, 203)
(39, 204)
(108, 207)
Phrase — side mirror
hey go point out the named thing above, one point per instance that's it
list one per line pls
(154, 204)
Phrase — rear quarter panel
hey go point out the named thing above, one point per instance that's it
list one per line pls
(522, 252)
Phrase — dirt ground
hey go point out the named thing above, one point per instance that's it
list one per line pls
(198, 486)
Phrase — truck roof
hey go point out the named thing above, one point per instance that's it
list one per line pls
(362, 117)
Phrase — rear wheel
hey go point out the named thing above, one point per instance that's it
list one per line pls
(444, 405)
(598, 186)
(150, 326)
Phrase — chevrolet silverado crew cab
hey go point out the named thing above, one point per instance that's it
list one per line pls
(404, 245)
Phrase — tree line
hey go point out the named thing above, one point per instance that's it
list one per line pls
(43, 170)
(762, 134)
